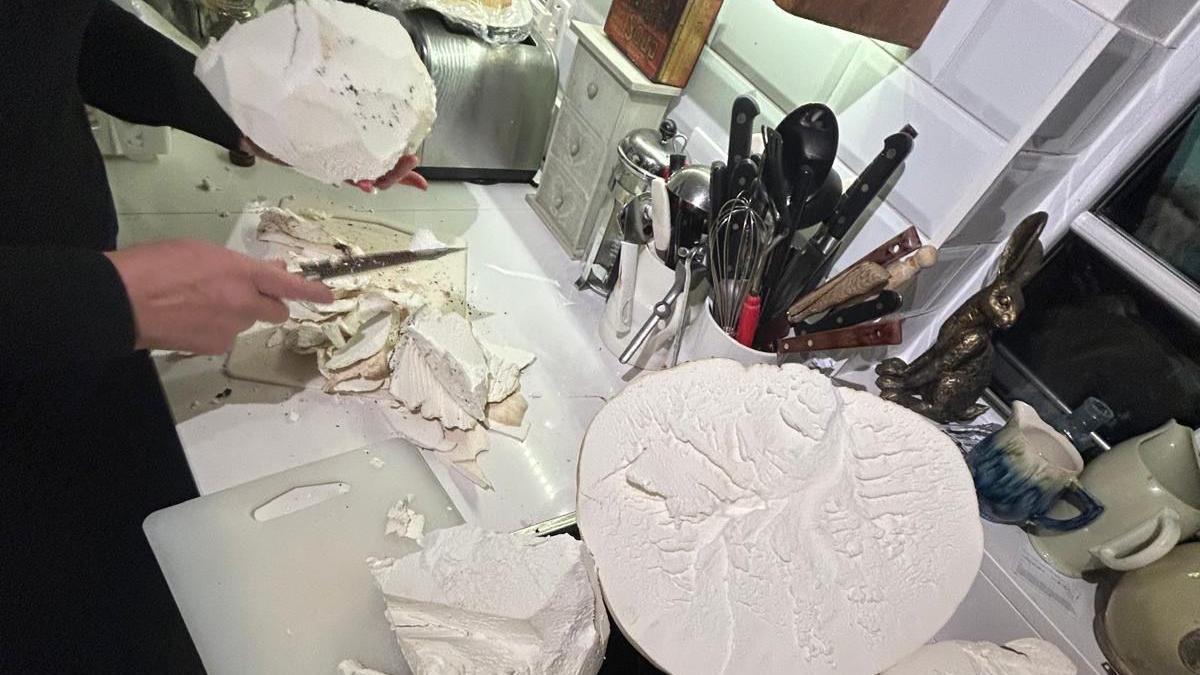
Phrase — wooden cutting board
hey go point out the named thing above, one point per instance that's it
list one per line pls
(251, 358)
(293, 595)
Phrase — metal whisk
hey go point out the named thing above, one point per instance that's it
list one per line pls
(734, 249)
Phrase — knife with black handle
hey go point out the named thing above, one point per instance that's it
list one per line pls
(868, 310)
(807, 269)
(741, 133)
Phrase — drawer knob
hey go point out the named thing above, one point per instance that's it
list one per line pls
(592, 90)
(574, 149)
(558, 202)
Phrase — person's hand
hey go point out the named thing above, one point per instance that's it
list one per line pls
(196, 297)
(401, 174)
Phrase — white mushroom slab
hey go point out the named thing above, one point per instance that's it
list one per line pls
(1028, 656)
(477, 602)
(333, 89)
(757, 519)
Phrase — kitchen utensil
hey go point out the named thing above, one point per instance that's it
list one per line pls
(886, 332)
(707, 340)
(732, 256)
(681, 315)
(895, 248)
(741, 130)
(689, 190)
(718, 182)
(901, 272)
(619, 309)
(868, 271)
(810, 138)
(820, 204)
(742, 178)
(291, 594)
(861, 280)
(868, 310)
(1025, 468)
(358, 264)
(1148, 620)
(662, 313)
(1150, 487)
(642, 155)
(775, 182)
(660, 217)
(805, 271)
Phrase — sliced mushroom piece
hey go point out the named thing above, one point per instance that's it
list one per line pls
(415, 385)
(504, 369)
(371, 340)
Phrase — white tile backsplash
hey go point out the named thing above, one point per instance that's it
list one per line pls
(954, 158)
(714, 85)
(1015, 57)
(792, 60)
(952, 27)
(1155, 18)
(1090, 103)
(871, 63)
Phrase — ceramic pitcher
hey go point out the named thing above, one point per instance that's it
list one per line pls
(1150, 486)
(1024, 469)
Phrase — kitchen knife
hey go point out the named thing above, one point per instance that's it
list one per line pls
(741, 132)
(357, 264)
(887, 332)
(868, 310)
(742, 178)
(895, 248)
(858, 282)
(717, 182)
(807, 268)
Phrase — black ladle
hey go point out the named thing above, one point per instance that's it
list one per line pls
(820, 204)
(810, 138)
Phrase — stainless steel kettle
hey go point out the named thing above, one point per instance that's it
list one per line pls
(642, 154)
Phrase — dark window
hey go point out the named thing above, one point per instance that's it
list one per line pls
(1159, 204)
(1090, 330)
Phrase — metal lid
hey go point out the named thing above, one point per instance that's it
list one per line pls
(690, 185)
(649, 150)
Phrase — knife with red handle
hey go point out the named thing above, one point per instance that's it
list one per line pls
(886, 332)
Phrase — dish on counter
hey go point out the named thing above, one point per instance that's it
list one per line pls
(759, 515)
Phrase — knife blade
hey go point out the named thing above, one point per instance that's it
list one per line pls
(887, 332)
(357, 264)
(868, 310)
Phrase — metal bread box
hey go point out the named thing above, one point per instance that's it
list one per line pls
(495, 103)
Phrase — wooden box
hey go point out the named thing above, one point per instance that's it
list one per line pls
(663, 38)
(903, 22)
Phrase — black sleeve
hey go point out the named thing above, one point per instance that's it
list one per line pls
(61, 305)
(130, 71)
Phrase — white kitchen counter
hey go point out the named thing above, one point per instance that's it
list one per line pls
(519, 274)
(518, 277)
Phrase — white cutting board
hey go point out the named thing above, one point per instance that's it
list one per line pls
(293, 595)
(251, 358)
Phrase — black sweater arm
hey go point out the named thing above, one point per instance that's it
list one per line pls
(61, 305)
(130, 71)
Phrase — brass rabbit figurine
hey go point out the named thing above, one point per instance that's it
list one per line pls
(945, 382)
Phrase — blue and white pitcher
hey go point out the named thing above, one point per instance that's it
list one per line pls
(1022, 470)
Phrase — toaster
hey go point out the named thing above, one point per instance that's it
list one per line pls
(495, 103)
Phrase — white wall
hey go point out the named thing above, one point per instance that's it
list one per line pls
(988, 76)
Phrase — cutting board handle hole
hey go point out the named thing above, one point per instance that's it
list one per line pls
(298, 499)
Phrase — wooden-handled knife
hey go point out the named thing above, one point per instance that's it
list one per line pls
(886, 332)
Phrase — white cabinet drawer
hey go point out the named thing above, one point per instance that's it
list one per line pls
(580, 150)
(563, 205)
(597, 94)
